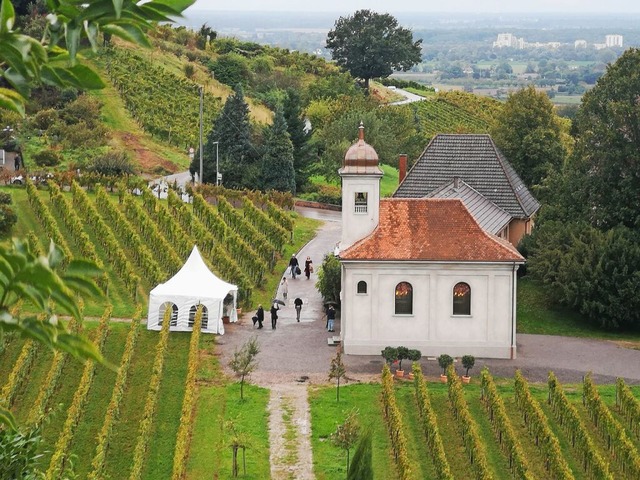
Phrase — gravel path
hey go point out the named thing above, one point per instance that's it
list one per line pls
(290, 433)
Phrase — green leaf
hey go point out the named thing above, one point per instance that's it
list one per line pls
(117, 6)
(7, 16)
(72, 36)
(177, 6)
(91, 29)
(10, 100)
(87, 78)
(6, 418)
(129, 32)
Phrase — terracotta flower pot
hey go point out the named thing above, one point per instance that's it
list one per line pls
(410, 376)
(399, 373)
(443, 378)
(465, 379)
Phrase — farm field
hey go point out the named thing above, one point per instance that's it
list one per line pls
(495, 445)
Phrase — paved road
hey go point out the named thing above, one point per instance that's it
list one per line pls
(408, 97)
(300, 349)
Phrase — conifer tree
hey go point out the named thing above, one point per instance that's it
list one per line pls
(302, 156)
(361, 466)
(277, 161)
(237, 155)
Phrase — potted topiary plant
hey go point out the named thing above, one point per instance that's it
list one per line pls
(403, 353)
(468, 361)
(414, 356)
(390, 355)
(444, 361)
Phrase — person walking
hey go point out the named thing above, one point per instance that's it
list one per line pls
(298, 304)
(260, 316)
(274, 315)
(308, 267)
(294, 265)
(331, 316)
(284, 288)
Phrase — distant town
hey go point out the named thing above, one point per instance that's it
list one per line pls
(509, 40)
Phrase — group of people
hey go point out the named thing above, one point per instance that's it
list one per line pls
(294, 267)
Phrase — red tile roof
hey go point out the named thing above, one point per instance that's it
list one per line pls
(432, 229)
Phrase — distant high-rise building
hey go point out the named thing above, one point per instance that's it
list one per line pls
(613, 41)
(580, 44)
(508, 40)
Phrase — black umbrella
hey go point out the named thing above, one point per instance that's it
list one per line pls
(278, 301)
(331, 302)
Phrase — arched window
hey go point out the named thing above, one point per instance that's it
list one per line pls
(362, 287)
(192, 316)
(404, 299)
(462, 299)
(174, 313)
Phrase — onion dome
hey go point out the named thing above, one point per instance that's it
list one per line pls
(360, 157)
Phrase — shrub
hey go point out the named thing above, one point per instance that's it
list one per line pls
(189, 70)
(47, 158)
(5, 198)
(444, 361)
(329, 279)
(8, 219)
(468, 361)
(44, 119)
(113, 162)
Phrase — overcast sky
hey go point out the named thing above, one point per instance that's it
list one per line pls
(461, 6)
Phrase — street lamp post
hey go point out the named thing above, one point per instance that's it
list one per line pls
(217, 165)
(201, 107)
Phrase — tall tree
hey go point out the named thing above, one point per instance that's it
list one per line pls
(302, 155)
(529, 133)
(277, 161)
(608, 126)
(371, 45)
(235, 150)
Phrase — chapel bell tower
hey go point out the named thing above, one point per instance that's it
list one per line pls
(360, 191)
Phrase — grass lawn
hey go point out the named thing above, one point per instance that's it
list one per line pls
(84, 440)
(329, 462)
(210, 456)
(159, 459)
(123, 440)
(536, 314)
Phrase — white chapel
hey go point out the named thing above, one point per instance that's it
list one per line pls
(420, 272)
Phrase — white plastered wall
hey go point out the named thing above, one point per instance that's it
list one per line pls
(369, 322)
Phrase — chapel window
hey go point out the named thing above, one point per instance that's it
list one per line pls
(462, 299)
(362, 287)
(361, 202)
(404, 299)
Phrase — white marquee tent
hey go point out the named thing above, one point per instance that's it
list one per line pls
(193, 285)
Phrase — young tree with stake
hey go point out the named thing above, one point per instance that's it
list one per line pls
(337, 371)
(244, 361)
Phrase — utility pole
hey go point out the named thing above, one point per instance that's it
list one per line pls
(201, 107)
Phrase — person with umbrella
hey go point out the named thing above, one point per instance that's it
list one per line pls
(274, 312)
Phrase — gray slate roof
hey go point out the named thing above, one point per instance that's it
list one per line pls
(488, 215)
(479, 163)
